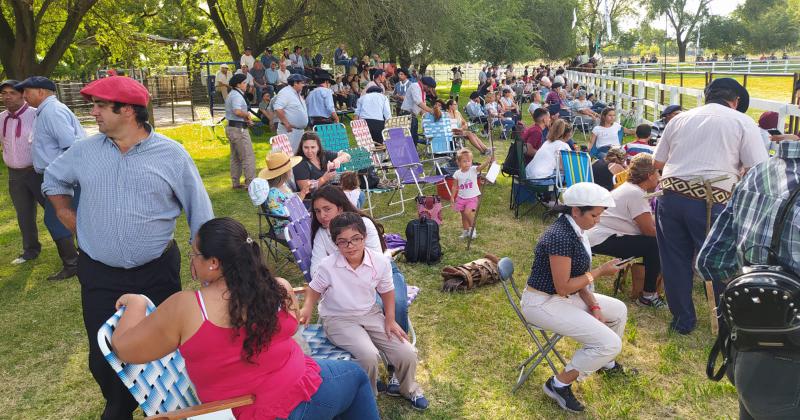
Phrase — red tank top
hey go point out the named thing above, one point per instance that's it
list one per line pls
(280, 377)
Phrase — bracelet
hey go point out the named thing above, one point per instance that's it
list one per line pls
(590, 277)
(594, 307)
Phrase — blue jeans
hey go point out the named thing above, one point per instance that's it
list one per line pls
(54, 226)
(345, 393)
(360, 203)
(400, 298)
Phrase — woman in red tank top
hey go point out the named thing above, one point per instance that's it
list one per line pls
(235, 334)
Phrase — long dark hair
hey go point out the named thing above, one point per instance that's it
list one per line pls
(336, 196)
(310, 135)
(253, 293)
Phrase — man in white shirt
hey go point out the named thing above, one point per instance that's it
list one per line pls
(297, 62)
(290, 109)
(247, 58)
(283, 75)
(221, 81)
(414, 102)
(716, 140)
(251, 87)
(373, 107)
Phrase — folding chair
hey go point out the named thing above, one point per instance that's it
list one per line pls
(360, 162)
(522, 187)
(545, 343)
(406, 163)
(207, 123)
(364, 139)
(401, 121)
(577, 167)
(439, 135)
(620, 178)
(162, 387)
(333, 136)
(268, 236)
(280, 143)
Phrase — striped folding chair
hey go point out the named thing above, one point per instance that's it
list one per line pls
(162, 387)
(401, 121)
(577, 167)
(333, 136)
(439, 135)
(364, 139)
(280, 143)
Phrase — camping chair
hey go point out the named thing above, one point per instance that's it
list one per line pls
(577, 167)
(401, 121)
(525, 189)
(268, 236)
(439, 135)
(364, 140)
(361, 163)
(162, 387)
(620, 178)
(207, 123)
(280, 143)
(406, 163)
(333, 136)
(545, 343)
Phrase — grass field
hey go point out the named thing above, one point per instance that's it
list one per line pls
(469, 343)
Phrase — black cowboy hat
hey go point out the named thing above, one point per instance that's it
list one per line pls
(731, 84)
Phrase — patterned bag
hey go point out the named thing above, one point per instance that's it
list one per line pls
(430, 207)
(468, 276)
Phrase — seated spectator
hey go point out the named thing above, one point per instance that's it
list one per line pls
(347, 281)
(374, 108)
(221, 81)
(642, 142)
(265, 111)
(461, 128)
(582, 111)
(534, 135)
(768, 121)
(267, 59)
(318, 166)
(475, 112)
(536, 102)
(355, 85)
(629, 228)
(277, 173)
(559, 296)
(508, 106)
(273, 77)
(496, 118)
(247, 58)
(546, 160)
(283, 75)
(351, 187)
(296, 61)
(554, 100)
(606, 134)
(342, 95)
(233, 340)
(666, 115)
(341, 58)
(259, 74)
(250, 89)
(604, 169)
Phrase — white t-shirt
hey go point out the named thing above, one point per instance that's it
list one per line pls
(545, 160)
(353, 196)
(607, 136)
(247, 60)
(533, 107)
(559, 79)
(629, 203)
(283, 77)
(467, 183)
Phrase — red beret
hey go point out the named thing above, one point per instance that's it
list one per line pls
(117, 89)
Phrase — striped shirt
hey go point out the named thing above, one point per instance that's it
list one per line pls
(746, 223)
(17, 149)
(54, 131)
(129, 202)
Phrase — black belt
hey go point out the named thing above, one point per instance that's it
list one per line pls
(237, 124)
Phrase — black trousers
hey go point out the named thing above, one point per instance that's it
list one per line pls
(415, 129)
(768, 383)
(634, 246)
(101, 286)
(376, 129)
(25, 188)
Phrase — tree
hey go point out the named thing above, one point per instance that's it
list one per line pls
(547, 27)
(683, 21)
(724, 34)
(18, 44)
(591, 19)
(768, 26)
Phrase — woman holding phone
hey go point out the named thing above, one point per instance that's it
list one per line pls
(560, 297)
(318, 166)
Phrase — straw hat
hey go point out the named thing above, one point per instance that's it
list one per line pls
(278, 164)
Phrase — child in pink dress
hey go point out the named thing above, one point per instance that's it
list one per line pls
(466, 201)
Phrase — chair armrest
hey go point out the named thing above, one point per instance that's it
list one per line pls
(435, 159)
(407, 165)
(205, 408)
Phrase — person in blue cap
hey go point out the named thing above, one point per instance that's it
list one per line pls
(666, 115)
(56, 128)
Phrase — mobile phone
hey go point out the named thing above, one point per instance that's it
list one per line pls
(625, 261)
(774, 132)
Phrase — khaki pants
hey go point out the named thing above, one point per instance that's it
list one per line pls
(242, 155)
(223, 90)
(570, 317)
(364, 336)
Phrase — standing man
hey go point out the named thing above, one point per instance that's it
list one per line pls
(135, 183)
(56, 128)
(711, 141)
(290, 108)
(414, 102)
(238, 115)
(400, 88)
(742, 232)
(24, 185)
(321, 109)
(222, 81)
(378, 80)
(373, 107)
(247, 58)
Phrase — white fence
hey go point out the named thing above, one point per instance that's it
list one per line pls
(633, 93)
(768, 66)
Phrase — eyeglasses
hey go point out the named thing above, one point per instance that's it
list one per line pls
(355, 241)
(191, 254)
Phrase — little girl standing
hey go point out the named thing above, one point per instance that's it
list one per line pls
(466, 201)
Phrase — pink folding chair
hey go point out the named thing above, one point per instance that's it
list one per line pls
(364, 139)
(280, 143)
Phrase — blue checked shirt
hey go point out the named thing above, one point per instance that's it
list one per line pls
(54, 131)
(129, 202)
(320, 102)
(744, 229)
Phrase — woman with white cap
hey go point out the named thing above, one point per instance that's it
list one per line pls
(560, 297)
(277, 173)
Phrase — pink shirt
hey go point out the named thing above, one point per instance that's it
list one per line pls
(17, 148)
(351, 292)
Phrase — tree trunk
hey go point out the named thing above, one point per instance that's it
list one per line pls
(591, 48)
(682, 50)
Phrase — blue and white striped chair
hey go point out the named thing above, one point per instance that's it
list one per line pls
(162, 387)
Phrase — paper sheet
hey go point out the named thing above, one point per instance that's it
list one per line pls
(494, 171)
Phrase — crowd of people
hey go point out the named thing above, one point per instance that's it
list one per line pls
(120, 192)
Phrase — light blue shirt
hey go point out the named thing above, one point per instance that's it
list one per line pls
(373, 106)
(320, 102)
(235, 101)
(475, 110)
(55, 129)
(129, 202)
(272, 76)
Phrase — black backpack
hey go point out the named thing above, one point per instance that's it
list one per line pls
(760, 306)
(511, 164)
(422, 241)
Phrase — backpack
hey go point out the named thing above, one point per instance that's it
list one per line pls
(430, 207)
(422, 241)
(759, 306)
(511, 164)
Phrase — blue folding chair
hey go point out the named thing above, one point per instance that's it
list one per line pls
(577, 167)
(439, 135)
(333, 136)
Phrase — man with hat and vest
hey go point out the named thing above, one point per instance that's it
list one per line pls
(321, 109)
(290, 108)
(24, 185)
(702, 153)
(55, 130)
(414, 102)
(667, 114)
(237, 112)
(135, 183)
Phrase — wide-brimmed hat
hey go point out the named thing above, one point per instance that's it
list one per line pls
(323, 76)
(585, 194)
(278, 164)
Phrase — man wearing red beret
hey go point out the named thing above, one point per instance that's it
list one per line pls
(135, 183)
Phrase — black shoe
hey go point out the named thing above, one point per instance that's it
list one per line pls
(65, 273)
(563, 396)
(381, 386)
(618, 369)
(681, 331)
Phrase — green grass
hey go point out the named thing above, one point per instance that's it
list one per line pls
(469, 343)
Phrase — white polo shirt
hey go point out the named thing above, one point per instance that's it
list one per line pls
(373, 106)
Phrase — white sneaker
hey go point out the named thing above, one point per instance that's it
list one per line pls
(474, 233)
(464, 234)
(18, 261)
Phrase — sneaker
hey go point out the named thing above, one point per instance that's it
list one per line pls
(419, 402)
(474, 233)
(618, 369)
(393, 388)
(654, 302)
(20, 260)
(563, 396)
(464, 234)
(381, 386)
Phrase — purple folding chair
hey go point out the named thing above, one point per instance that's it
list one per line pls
(406, 163)
(298, 236)
(297, 210)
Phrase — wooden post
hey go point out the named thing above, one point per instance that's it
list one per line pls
(680, 95)
(663, 82)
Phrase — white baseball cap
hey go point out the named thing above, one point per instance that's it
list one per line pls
(258, 191)
(587, 194)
